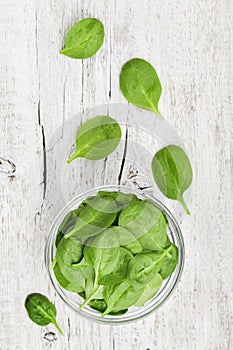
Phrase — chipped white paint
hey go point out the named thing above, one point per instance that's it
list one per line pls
(190, 43)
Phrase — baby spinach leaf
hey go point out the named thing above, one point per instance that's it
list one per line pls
(121, 199)
(105, 204)
(72, 287)
(41, 310)
(70, 252)
(60, 233)
(126, 239)
(155, 238)
(58, 237)
(102, 252)
(118, 313)
(132, 215)
(172, 172)
(92, 220)
(143, 267)
(92, 291)
(150, 290)
(98, 304)
(84, 39)
(147, 224)
(119, 273)
(140, 85)
(169, 262)
(68, 223)
(120, 296)
(97, 138)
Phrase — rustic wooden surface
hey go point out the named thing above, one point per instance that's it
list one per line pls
(190, 44)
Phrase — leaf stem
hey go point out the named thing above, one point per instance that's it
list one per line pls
(159, 114)
(105, 313)
(182, 201)
(54, 262)
(89, 299)
(56, 325)
(72, 158)
(70, 233)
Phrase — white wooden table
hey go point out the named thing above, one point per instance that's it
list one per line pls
(190, 44)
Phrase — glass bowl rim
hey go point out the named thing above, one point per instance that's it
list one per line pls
(123, 319)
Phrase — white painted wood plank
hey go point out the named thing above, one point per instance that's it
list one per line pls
(190, 44)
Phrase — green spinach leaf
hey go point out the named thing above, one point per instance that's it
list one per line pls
(169, 262)
(118, 313)
(155, 238)
(102, 252)
(150, 290)
(68, 223)
(126, 239)
(71, 287)
(97, 138)
(92, 220)
(106, 204)
(146, 223)
(84, 39)
(143, 267)
(172, 172)
(120, 296)
(98, 304)
(92, 291)
(41, 310)
(140, 85)
(119, 273)
(121, 199)
(70, 252)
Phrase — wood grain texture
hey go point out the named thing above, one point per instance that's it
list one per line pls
(190, 44)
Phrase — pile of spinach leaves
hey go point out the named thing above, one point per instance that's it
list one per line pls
(114, 251)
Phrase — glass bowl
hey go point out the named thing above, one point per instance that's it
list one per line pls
(74, 301)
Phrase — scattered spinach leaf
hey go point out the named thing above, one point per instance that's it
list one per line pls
(172, 172)
(41, 310)
(84, 39)
(97, 138)
(140, 85)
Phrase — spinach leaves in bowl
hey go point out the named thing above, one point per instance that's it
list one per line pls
(114, 251)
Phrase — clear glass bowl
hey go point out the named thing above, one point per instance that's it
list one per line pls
(135, 313)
